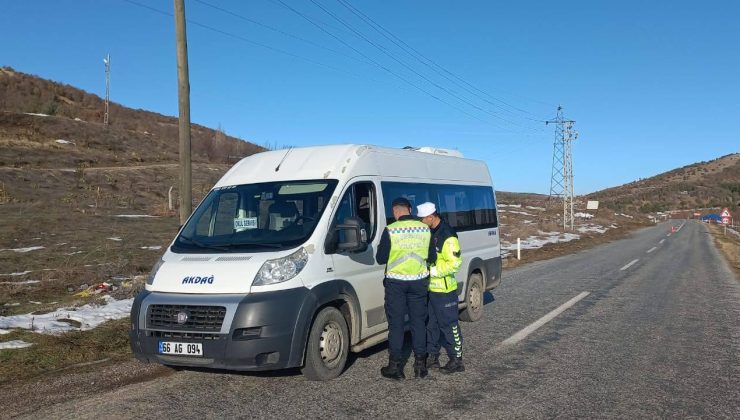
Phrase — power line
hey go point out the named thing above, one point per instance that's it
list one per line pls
(367, 59)
(408, 67)
(386, 69)
(431, 63)
(261, 45)
(277, 30)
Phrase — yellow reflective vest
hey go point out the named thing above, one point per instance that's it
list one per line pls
(407, 259)
(449, 259)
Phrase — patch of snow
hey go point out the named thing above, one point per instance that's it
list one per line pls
(62, 141)
(89, 316)
(14, 344)
(5, 332)
(528, 222)
(20, 273)
(516, 212)
(74, 253)
(114, 238)
(534, 242)
(61, 243)
(12, 304)
(135, 216)
(36, 114)
(78, 119)
(34, 302)
(583, 215)
(624, 215)
(153, 247)
(28, 249)
(592, 228)
(536, 208)
(510, 205)
(21, 282)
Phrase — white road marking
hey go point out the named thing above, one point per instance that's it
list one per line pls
(524, 332)
(661, 241)
(651, 249)
(630, 264)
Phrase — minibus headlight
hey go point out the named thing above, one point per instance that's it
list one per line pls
(153, 273)
(281, 269)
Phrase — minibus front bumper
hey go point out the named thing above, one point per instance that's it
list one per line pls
(261, 331)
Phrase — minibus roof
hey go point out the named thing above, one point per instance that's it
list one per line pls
(347, 161)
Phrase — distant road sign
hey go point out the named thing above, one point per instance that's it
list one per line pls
(726, 216)
(592, 205)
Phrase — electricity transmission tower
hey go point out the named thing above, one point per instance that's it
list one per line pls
(106, 60)
(561, 181)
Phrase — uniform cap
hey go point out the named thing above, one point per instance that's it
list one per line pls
(425, 209)
(401, 201)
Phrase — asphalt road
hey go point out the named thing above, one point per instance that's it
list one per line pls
(659, 337)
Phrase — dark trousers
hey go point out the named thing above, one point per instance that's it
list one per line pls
(442, 326)
(406, 297)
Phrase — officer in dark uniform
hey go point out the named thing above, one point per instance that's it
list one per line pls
(405, 246)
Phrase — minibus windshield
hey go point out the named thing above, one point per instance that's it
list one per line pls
(255, 217)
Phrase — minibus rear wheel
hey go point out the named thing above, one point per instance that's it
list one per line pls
(473, 299)
(327, 347)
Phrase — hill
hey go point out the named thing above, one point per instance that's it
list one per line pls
(83, 202)
(702, 185)
(52, 125)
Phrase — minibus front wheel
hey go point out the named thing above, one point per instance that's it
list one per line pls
(328, 346)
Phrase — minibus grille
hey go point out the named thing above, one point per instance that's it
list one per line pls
(185, 335)
(186, 317)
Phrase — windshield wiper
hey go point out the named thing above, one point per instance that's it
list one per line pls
(203, 245)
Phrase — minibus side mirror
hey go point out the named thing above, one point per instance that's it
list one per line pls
(352, 234)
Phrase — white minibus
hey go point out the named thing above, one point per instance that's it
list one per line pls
(276, 266)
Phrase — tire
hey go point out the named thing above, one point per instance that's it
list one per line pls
(327, 347)
(473, 299)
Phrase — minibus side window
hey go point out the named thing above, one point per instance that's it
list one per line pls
(415, 193)
(467, 207)
(358, 201)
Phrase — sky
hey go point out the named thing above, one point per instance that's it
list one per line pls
(651, 85)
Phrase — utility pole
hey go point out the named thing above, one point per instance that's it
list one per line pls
(106, 60)
(183, 93)
(561, 181)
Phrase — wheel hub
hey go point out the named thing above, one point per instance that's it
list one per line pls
(330, 343)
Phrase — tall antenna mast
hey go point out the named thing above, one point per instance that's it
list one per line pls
(106, 60)
(561, 181)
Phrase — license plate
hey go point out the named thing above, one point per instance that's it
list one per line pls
(181, 349)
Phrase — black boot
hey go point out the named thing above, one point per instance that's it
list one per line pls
(454, 365)
(433, 361)
(420, 366)
(393, 370)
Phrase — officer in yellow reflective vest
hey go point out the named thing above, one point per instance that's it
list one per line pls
(405, 246)
(442, 325)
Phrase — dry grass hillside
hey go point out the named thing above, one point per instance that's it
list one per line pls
(703, 185)
(35, 114)
(83, 203)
